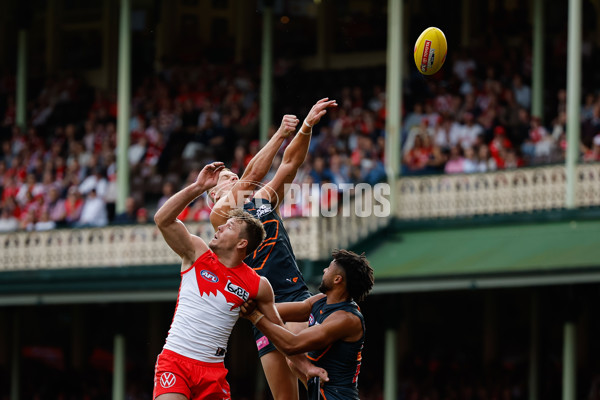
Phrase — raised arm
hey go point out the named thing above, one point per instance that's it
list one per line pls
(189, 247)
(294, 155)
(255, 171)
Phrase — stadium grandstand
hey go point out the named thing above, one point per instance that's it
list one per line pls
(486, 262)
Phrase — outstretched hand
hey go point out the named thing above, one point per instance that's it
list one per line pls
(318, 110)
(209, 176)
(288, 125)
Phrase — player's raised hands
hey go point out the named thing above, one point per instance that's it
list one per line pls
(288, 125)
(209, 176)
(318, 110)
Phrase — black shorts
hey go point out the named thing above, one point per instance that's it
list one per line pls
(262, 343)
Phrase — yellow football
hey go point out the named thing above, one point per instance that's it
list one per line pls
(430, 51)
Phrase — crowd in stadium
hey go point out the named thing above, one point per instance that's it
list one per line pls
(61, 170)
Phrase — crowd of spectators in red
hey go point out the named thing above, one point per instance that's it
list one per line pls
(61, 170)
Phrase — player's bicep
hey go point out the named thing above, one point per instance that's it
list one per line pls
(265, 301)
(294, 311)
(179, 239)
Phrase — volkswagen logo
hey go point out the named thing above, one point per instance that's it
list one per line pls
(167, 379)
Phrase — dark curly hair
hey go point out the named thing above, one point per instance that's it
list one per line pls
(359, 274)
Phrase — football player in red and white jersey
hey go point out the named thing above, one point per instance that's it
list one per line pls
(215, 282)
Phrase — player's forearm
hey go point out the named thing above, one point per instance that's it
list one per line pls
(293, 311)
(283, 339)
(261, 163)
(302, 366)
(177, 203)
(295, 153)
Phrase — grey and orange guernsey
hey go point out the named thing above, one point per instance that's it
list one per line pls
(275, 260)
(341, 359)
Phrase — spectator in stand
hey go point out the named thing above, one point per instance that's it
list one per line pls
(319, 172)
(418, 156)
(593, 154)
(93, 213)
(539, 144)
(470, 133)
(56, 206)
(96, 181)
(455, 163)
(168, 190)
(499, 146)
(8, 222)
(73, 205)
(44, 223)
(522, 92)
(470, 163)
(485, 163)
(141, 216)
(128, 216)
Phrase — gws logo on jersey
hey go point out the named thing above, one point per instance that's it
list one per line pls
(263, 209)
(209, 276)
(167, 379)
(238, 291)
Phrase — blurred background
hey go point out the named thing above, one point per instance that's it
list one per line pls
(487, 268)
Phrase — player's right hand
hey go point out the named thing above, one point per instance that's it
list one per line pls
(247, 308)
(209, 176)
(288, 125)
(318, 110)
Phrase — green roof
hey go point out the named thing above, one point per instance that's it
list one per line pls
(544, 248)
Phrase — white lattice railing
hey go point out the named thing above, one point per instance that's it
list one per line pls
(115, 246)
(520, 190)
(312, 238)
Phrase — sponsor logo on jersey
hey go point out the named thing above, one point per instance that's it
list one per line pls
(311, 320)
(167, 379)
(209, 276)
(220, 352)
(263, 209)
(237, 290)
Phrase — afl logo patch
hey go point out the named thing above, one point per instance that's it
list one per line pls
(167, 379)
(209, 276)
(311, 320)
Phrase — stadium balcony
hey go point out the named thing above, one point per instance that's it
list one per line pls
(437, 240)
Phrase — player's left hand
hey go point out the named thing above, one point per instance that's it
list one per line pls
(247, 308)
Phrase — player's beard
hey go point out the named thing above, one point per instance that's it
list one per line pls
(324, 288)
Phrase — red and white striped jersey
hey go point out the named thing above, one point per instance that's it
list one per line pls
(208, 307)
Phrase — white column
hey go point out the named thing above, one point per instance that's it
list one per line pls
(118, 392)
(390, 378)
(15, 364)
(569, 378)
(394, 96)
(123, 104)
(573, 99)
(21, 98)
(266, 81)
